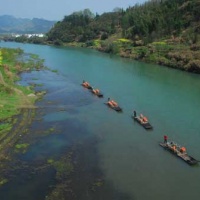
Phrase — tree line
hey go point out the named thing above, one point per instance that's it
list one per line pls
(150, 21)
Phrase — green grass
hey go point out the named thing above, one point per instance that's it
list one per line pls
(5, 127)
(12, 62)
(124, 40)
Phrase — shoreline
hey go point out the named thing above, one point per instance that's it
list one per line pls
(166, 53)
(17, 104)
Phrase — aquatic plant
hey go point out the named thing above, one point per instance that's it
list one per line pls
(63, 168)
(50, 161)
(21, 147)
(3, 181)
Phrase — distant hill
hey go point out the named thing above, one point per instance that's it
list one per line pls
(10, 24)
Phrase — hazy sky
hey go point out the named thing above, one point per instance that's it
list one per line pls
(57, 9)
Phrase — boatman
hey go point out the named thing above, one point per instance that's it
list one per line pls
(134, 114)
(165, 138)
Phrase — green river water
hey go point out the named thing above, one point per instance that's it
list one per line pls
(127, 156)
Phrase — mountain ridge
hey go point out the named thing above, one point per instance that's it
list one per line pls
(11, 24)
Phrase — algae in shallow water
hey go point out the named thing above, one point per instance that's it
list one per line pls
(3, 181)
(21, 147)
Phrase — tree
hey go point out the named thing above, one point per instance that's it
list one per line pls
(117, 9)
(88, 13)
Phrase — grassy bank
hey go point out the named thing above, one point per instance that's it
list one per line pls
(15, 99)
(173, 52)
(13, 95)
(169, 52)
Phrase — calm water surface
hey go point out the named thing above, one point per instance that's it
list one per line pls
(128, 156)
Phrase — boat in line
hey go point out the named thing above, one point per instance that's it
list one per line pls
(174, 148)
(94, 91)
(179, 151)
(86, 85)
(114, 105)
(97, 92)
(142, 120)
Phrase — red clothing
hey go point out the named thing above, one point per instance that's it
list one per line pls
(165, 137)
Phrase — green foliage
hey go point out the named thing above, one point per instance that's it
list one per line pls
(8, 110)
(12, 95)
(155, 19)
(150, 21)
(73, 27)
(140, 52)
(1, 58)
(124, 40)
(104, 36)
(115, 47)
(5, 89)
(5, 127)
(83, 26)
(94, 43)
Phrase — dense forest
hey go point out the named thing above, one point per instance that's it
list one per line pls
(152, 20)
(166, 32)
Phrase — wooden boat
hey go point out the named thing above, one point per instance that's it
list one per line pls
(146, 125)
(97, 93)
(116, 108)
(183, 155)
(88, 86)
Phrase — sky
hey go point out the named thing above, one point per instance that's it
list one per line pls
(57, 9)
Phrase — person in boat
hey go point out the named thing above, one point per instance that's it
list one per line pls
(96, 91)
(183, 150)
(109, 102)
(86, 84)
(134, 114)
(143, 119)
(173, 148)
(112, 103)
(165, 138)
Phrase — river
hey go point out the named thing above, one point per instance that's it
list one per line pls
(127, 158)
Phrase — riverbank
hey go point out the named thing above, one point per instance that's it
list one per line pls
(171, 52)
(174, 52)
(16, 102)
(14, 96)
